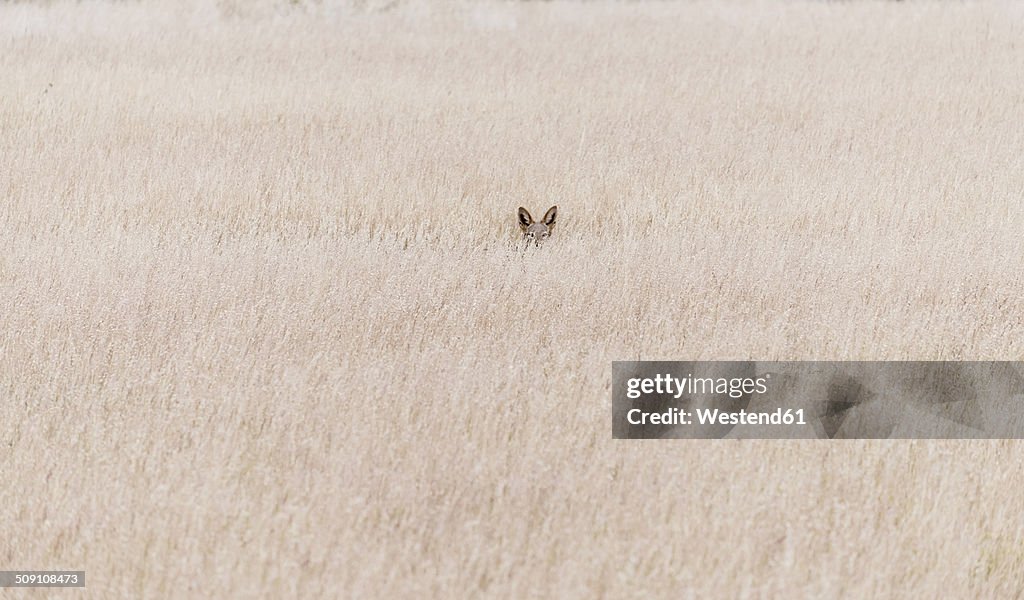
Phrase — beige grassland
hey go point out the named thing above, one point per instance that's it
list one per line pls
(264, 330)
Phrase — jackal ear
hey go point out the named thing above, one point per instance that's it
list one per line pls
(525, 220)
(549, 217)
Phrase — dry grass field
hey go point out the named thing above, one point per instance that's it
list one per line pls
(265, 329)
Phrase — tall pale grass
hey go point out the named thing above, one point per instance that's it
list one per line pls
(265, 331)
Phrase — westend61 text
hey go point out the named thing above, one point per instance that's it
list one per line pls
(714, 416)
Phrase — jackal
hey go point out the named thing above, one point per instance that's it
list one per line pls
(537, 232)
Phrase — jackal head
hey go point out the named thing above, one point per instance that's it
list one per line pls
(537, 232)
